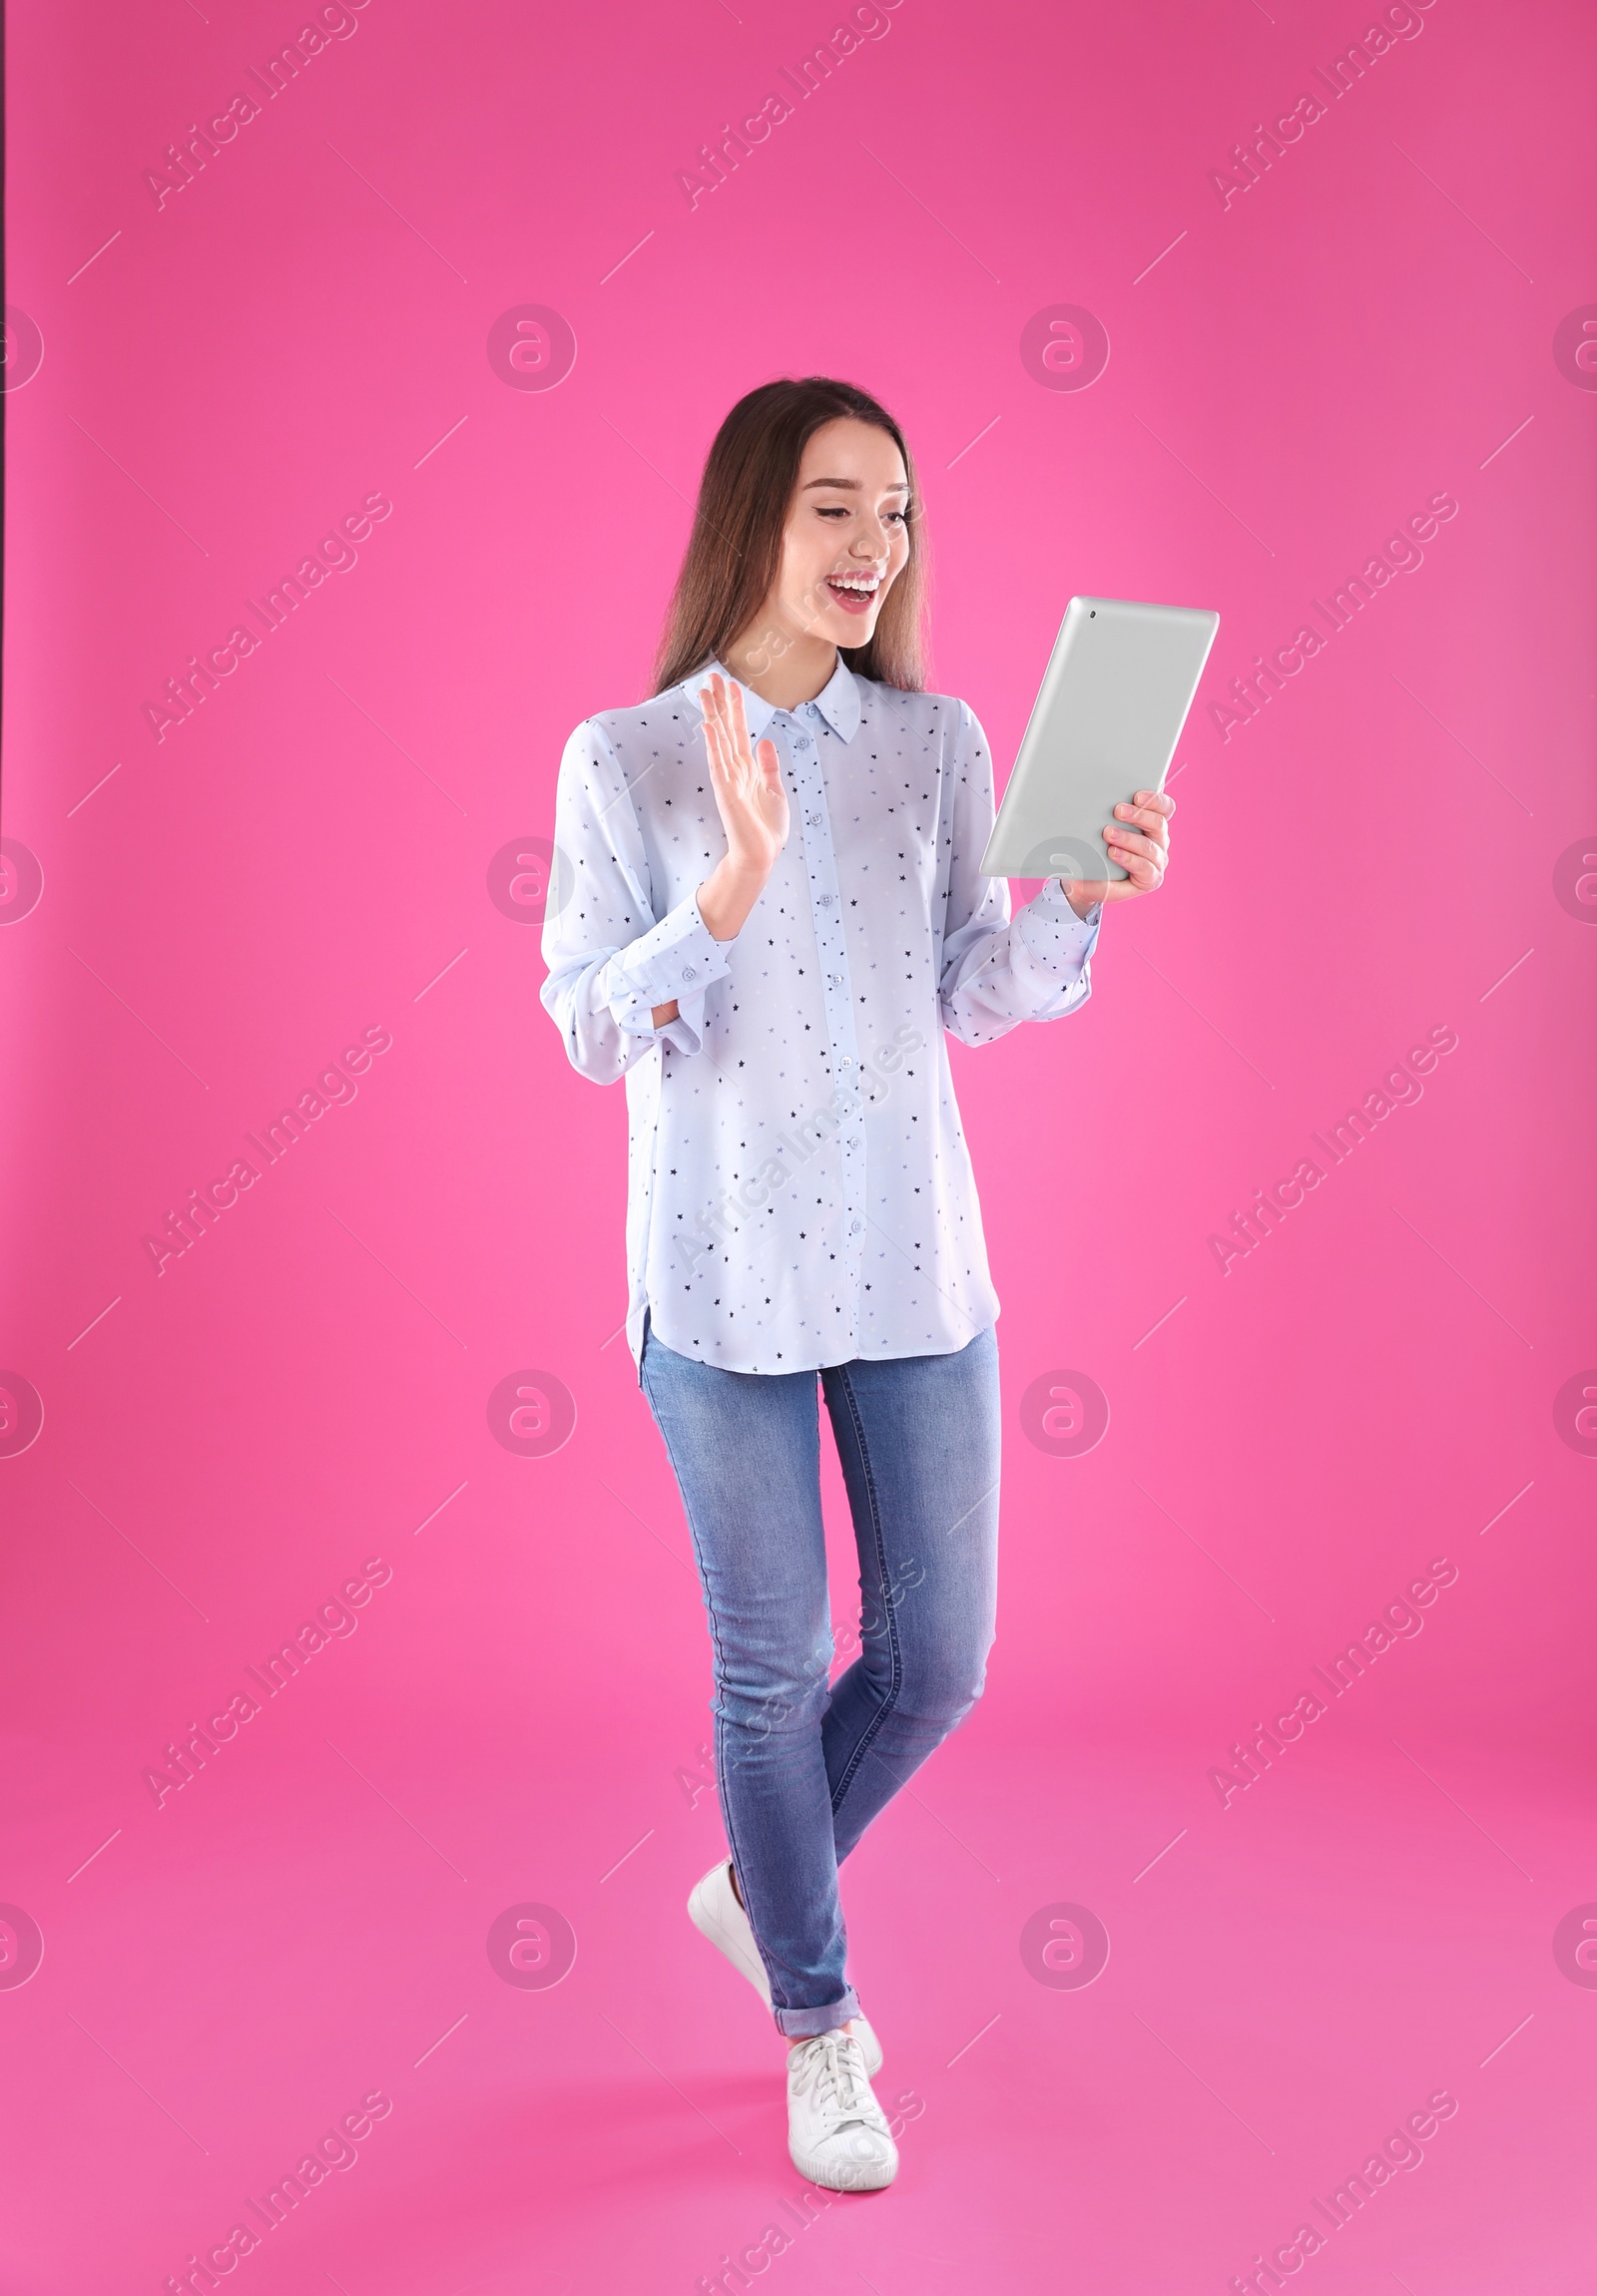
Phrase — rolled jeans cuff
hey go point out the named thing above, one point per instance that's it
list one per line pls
(805, 2023)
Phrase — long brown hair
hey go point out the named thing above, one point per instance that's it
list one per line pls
(734, 553)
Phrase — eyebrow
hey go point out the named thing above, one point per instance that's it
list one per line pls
(855, 485)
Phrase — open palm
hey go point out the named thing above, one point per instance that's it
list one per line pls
(748, 784)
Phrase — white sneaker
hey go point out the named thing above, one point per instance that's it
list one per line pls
(837, 2135)
(715, 1911)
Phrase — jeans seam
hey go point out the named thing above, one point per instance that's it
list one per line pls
(890, 1695)
(721, 1671)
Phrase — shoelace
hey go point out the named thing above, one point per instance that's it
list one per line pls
(837, 2073)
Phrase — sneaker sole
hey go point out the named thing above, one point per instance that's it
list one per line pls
(846, 2175)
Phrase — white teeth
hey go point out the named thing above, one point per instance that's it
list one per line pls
(865, 583)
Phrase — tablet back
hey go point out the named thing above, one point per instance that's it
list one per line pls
(1107, 720)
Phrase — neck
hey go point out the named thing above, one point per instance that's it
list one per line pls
(805, 668)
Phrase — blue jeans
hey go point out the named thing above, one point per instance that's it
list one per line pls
(802, 1767)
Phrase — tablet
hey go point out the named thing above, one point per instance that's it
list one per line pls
(1108, 714)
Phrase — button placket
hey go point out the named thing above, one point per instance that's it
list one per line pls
(826, 909)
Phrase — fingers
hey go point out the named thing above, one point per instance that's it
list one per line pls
(715, 744)
(1122, 843)
(746, 782)
(1151, 810)
(725, 714)
(1146, 870)
(738, 775)
(742, 747)
(1145, 875)
(739, 721)
(1144, 817)
(718, 739)
(1143, 851)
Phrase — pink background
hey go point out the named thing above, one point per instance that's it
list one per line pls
(1396, 844)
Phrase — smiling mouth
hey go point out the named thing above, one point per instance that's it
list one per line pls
(855, 593)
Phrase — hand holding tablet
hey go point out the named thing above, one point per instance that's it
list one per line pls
(1086, 799)
(1143, 846)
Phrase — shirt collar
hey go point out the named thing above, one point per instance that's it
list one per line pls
(837, 702)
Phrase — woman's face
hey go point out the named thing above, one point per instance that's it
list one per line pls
(844, 543)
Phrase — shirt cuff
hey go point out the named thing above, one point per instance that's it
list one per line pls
(1053, 932)
(674, 961)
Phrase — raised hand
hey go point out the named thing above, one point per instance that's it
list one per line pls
(748, 784)
(752, 805)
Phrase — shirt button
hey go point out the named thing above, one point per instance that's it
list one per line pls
(688, 974)
(857, 1228)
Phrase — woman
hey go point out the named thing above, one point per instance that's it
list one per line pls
(768, 909)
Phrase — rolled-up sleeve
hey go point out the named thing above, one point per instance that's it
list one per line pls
(998, 972)
(611, 961)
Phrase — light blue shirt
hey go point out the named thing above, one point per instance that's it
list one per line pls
(799, 1192)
